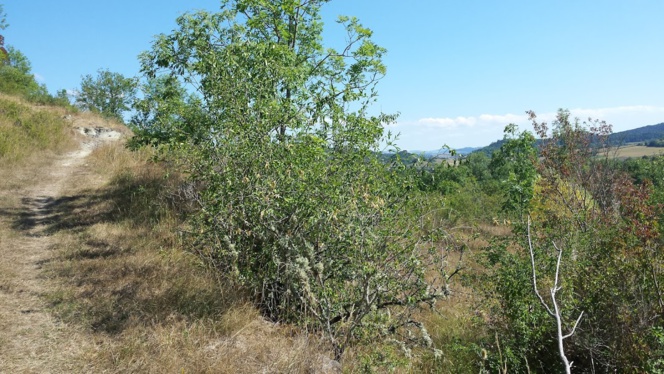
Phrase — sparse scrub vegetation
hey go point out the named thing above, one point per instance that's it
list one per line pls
(607, 225)
(255, 224)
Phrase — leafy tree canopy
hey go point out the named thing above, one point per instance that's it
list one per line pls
(514, 164)
(3, 18)
(109, 93)
(265, 60)
(17, 75)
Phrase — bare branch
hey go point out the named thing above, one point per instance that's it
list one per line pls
(574, 328)
(532, 263)
(555, 314)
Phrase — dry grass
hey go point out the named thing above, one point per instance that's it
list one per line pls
(134, 300)
(32, 340)
(120, 291)
(160, 311)
(89, 119)
(150, 305)
(632, 151)
(459, 324)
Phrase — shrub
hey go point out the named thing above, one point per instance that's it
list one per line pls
(612, 264)
(295, 203)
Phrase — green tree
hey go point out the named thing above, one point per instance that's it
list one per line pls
(110, 94)
(19, 61)
(295, 203)
(4, 56)
(514, 164)
(165, 114)
(3, 18)
(17, 77)
(478, 164)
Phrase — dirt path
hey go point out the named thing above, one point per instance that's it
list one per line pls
(31, 339)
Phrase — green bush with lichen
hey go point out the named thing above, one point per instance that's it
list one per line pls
(295, 203)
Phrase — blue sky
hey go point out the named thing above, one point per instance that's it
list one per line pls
(458, 71)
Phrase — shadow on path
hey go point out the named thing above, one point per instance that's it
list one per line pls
(46, 215)
(118, 279)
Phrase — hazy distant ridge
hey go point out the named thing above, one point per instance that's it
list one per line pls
(638, 135)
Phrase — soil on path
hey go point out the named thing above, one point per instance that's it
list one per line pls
(32, 340)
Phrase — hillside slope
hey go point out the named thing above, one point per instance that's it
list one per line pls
(638, 135)
(31, 339)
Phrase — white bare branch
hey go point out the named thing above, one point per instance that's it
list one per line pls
(574, 328)
(532, 262)
(555, 313)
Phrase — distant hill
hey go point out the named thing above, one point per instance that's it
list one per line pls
(442, 152)
(639, 135)
(408, 158)
(643, 134)
(489, 149)
(467, 150)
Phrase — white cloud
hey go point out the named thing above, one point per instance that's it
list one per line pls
(448, 122)
(460, 122)
(505, 119)
(461, 131)
(39, 78)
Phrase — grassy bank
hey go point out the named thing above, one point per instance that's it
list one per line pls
(27, 131)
